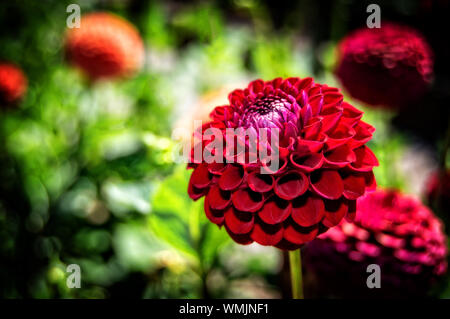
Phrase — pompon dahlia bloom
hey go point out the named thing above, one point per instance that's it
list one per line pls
(389, 67)
(391, 230)
(13, 83)
(324, 164)
(105, 46)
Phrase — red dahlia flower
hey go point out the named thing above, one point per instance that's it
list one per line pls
(105, 46)
(391, 230)
(13, 83)
(390, 66)
(324, 164)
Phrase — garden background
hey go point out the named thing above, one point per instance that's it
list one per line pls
(87, 174)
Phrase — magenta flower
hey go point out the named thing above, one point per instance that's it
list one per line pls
(391, 230)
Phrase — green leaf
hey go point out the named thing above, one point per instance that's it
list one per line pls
(182, 223)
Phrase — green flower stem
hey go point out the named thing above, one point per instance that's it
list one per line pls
(295, 264)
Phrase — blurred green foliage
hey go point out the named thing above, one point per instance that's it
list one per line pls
(87, 174)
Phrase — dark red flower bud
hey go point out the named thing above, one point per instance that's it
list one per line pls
(105, 46)
(324, 163)
(13, 83)
(391, 230)
(389, 66)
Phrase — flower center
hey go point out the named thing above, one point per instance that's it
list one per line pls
(267, 112)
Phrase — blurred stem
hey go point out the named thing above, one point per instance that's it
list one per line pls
(205, 290)
(295, 263)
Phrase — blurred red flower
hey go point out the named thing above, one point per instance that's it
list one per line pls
(388, 67)
(438, 191)
(105, 46)
(324, 163)
(13, 83)
(392, 230)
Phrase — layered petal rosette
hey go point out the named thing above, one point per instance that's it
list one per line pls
(13, 83)
(391, 230)
(323, 162)
(389, 66)
(105, 46)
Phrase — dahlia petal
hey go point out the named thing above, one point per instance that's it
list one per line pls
(365, 159)
(236, 97)
(351, 213)
(312, 130)
(362, 135)
(294, 81)
(216, 168)
(368, 249)
(307, 163)
(305, 84)
(390, 241)
(440, 269)
(335, 211)
(243, 239)
(201, 178)
(247, 200)
(231, 177)
(341, 135)
(329, 122)
(354, 186)
(215, 216)
(351, 112)
(333, 98)
(283, 164)
(356, 256)
(305, 147)
(329, 89)
(327, 183)
(316, 103)
(291, 185)
(350, 229)
(275, 211)
(371, 183)
(315, 90)
(412, 269)
(308, 210)
(286, 245)
(267, 235)
(218, 113)
(194, 192)
(239, 222)
(291, 130)
(276, 83)
(334, 234)
(285, 151)
(288, 88)
(217, 198)
(306, 113)
(367, 127)
(406, 255)
(260, 183)
(299, 235)
(340, 156)
(256, 86)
